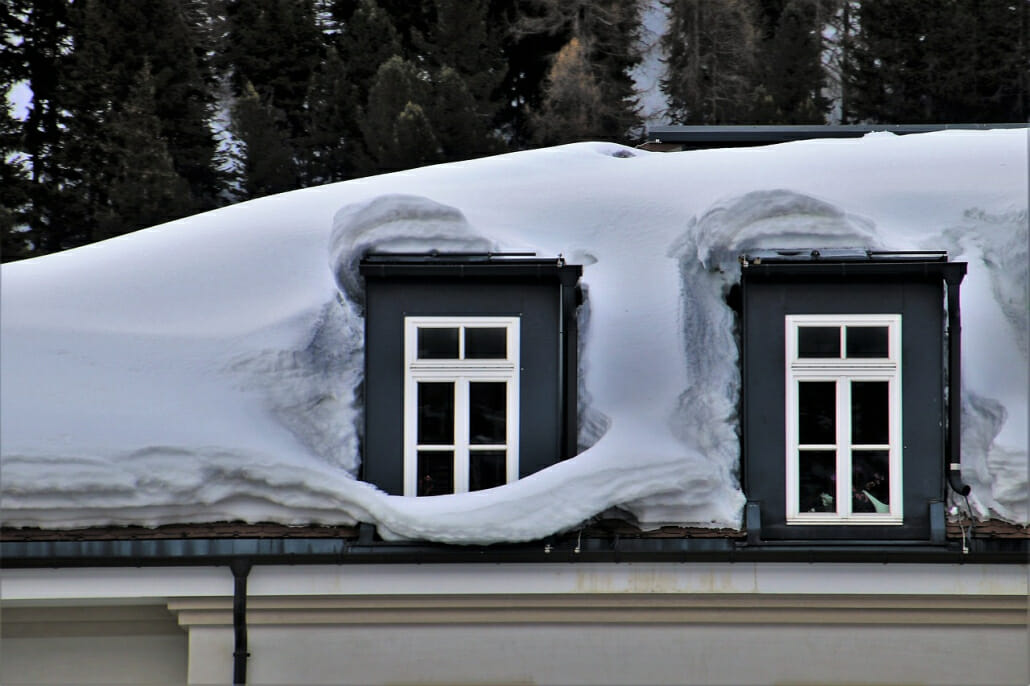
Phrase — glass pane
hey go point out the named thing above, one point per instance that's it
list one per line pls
(866, 341)
(870, 485)
(818, 341)
(487, 410)
(435, 413)
(435, 472)
(817, 412)
(817, 480)
(486, 343)
(869, 412)
(487, 468)
(437, 344)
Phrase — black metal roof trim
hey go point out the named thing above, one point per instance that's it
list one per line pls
(791, 255)
(952, 272)
(214, 552)
(436, 257)
(782, 134)
(465, 265)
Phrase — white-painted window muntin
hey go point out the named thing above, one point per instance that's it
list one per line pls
(460, 371)
(843, 371)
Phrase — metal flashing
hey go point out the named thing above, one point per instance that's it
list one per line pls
(468, 265)
(804, 255)
(569, 548)
(713, 136)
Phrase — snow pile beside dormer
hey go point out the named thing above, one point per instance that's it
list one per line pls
(208, 369)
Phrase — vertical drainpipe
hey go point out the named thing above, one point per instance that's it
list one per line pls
(568, 366)
(953, 452)
(240, 570)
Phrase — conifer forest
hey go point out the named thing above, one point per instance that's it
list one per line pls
(136, 112)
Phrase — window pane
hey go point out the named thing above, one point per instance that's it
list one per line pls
(487, 410)
(869, 412)
(487, 468)
(817, 412)
(866, 341)
(817, 480)
(486, 343)
(437, 344)
(818, 341)
(435, 413)
(870, 485)
(435, 472)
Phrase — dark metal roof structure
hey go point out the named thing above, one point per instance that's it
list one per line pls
(605, 541)
(460, 265)
(850, 262)
(698, 137)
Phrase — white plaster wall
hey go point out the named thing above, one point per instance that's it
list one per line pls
(584, 654)
(148, 659)
(211, 659)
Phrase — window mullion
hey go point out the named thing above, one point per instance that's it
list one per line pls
(461, 435)
(843, 446)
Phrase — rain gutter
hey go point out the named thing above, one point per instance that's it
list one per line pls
(240, 570)
(301, 551)
(953, 439)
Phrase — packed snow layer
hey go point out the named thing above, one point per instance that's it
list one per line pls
(209, 368)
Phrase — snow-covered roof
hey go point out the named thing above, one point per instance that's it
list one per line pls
(206, 369)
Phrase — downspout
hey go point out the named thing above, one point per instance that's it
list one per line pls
(240, 570)
(953, 443)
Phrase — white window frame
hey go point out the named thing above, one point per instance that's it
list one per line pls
(461, 372)
(843, 371)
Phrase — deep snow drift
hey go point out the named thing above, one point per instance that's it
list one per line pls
(207, 369)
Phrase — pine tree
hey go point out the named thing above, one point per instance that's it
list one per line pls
(462, 38)
(367, 39)
(184, 87)
(143, 185)
(790, 76)
(607, 32)
(414, 143)
(331, 144)
(926, 61)
(269, 165)
(275, 46)
(460, 127)
(395, 115)
(573, 103)
(182, 96)
(15, 236)
(710, 55)
(35, 36)
(463, 54)
(529, 53)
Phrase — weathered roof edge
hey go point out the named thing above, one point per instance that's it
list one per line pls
(608, 541)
